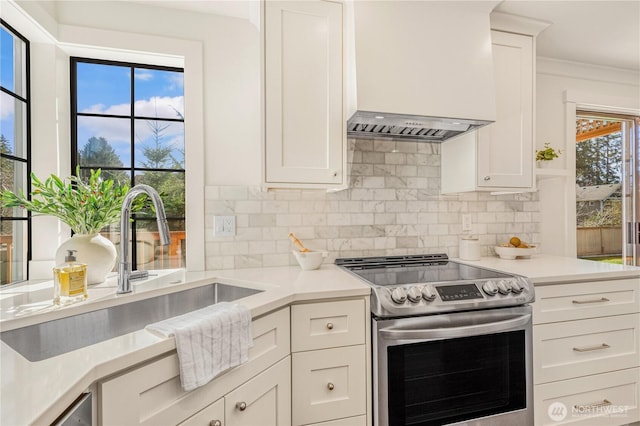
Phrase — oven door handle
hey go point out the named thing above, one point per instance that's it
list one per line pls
(440, 332)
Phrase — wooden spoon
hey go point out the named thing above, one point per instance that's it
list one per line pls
(297, 242)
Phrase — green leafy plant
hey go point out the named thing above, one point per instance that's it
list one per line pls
(86, 207)
(547, 154)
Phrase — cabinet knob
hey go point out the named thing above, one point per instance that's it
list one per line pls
(241, 405)
(215, 423)
(330, 386)
(334, 173)
(487, 178)
(330, 326)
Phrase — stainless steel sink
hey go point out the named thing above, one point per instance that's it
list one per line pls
(41, 341)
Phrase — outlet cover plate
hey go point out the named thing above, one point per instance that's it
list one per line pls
(224, 226)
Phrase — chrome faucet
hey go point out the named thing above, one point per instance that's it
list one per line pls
(124, 266)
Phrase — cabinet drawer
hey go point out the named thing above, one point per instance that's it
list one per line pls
(565, 302)
(209, 416)
(598, 400)
(328, 384)
(326, 325)
(581, 348)
(349, 421)
(152, 395)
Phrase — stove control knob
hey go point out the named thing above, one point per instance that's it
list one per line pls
(490, 288)
(504, 287)
(398, 295)
(516, 287)
(414, 295)
(428, 294)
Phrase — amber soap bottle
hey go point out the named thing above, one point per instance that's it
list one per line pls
(69, 281)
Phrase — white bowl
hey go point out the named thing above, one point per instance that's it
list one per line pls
(511, 253)
(310, 260)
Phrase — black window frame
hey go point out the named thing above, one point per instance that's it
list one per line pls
(74, 114)
(27, 160)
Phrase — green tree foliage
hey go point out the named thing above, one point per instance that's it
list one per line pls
(599, 160)
(97, 152)
(160, 155)
(6, 182)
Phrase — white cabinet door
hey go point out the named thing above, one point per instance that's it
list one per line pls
(499, 156)
(304, 123)
(264, 400)
(213, 415)
(505, 148)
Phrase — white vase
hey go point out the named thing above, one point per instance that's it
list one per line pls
(96, 251)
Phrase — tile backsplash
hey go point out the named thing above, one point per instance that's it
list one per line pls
(393, 206)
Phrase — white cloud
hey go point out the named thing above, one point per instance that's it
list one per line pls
(7, 107)
(175, 82)
(143, 75)
(157, 106)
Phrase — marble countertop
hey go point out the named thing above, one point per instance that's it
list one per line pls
(37, 392)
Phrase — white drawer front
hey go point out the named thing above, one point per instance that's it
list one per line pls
(565, 302)
(328, 384)
(349, 421)
(598, 400)
(327, 325)
(580, 348)
(208, 417)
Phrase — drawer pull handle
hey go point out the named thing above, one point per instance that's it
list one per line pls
(215, 423)
(592, 348)
(241, 405)
(330, 386)
(330, 326)
(582, 302)
(604, 403)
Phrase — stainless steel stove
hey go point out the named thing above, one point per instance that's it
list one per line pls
(431, 284)
(451, 342)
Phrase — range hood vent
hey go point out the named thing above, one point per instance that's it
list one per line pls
(423, 69)
(364, 124)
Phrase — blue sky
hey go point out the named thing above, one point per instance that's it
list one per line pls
(106, 89)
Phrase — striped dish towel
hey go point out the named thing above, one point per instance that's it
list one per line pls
(209, 341)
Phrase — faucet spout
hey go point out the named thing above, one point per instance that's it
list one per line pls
(124, 266)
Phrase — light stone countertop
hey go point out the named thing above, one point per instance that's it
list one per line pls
(547, 270)
(37, 392)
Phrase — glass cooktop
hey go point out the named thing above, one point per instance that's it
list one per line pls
(399, 270)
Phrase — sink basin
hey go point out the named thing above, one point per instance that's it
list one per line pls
(41, 341)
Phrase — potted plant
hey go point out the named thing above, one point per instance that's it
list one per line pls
(86, 207)
(546, 154)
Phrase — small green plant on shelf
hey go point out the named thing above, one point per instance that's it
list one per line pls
(547, 154)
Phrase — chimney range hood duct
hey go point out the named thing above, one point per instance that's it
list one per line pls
(423, 69)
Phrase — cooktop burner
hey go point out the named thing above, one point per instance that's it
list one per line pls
(431, 283)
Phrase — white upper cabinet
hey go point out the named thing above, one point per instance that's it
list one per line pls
(305, 136)
(499, 156)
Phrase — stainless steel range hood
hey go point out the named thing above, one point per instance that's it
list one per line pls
(423, 69)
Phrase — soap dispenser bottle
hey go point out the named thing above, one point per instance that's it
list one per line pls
(69, 281)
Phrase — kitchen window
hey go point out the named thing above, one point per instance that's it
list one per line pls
(128, 120)
(15, 165)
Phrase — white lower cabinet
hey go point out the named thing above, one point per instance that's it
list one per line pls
(329, 363)
(586, 339)
(152, 395)
(262, 401)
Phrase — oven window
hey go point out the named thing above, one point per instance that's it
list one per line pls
(446, 381)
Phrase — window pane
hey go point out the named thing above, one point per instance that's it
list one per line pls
(159, 94)
(103, 89)
(14, 179)
(119, 176)
(13, 250)
(104, 141)
(170, 186)
(151, 254)
(159, 144)
(12, 63)
(13, 126)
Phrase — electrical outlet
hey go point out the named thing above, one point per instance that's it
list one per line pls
(224, 226)
(466, 222)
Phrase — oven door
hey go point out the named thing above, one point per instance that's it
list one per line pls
(471, 368)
